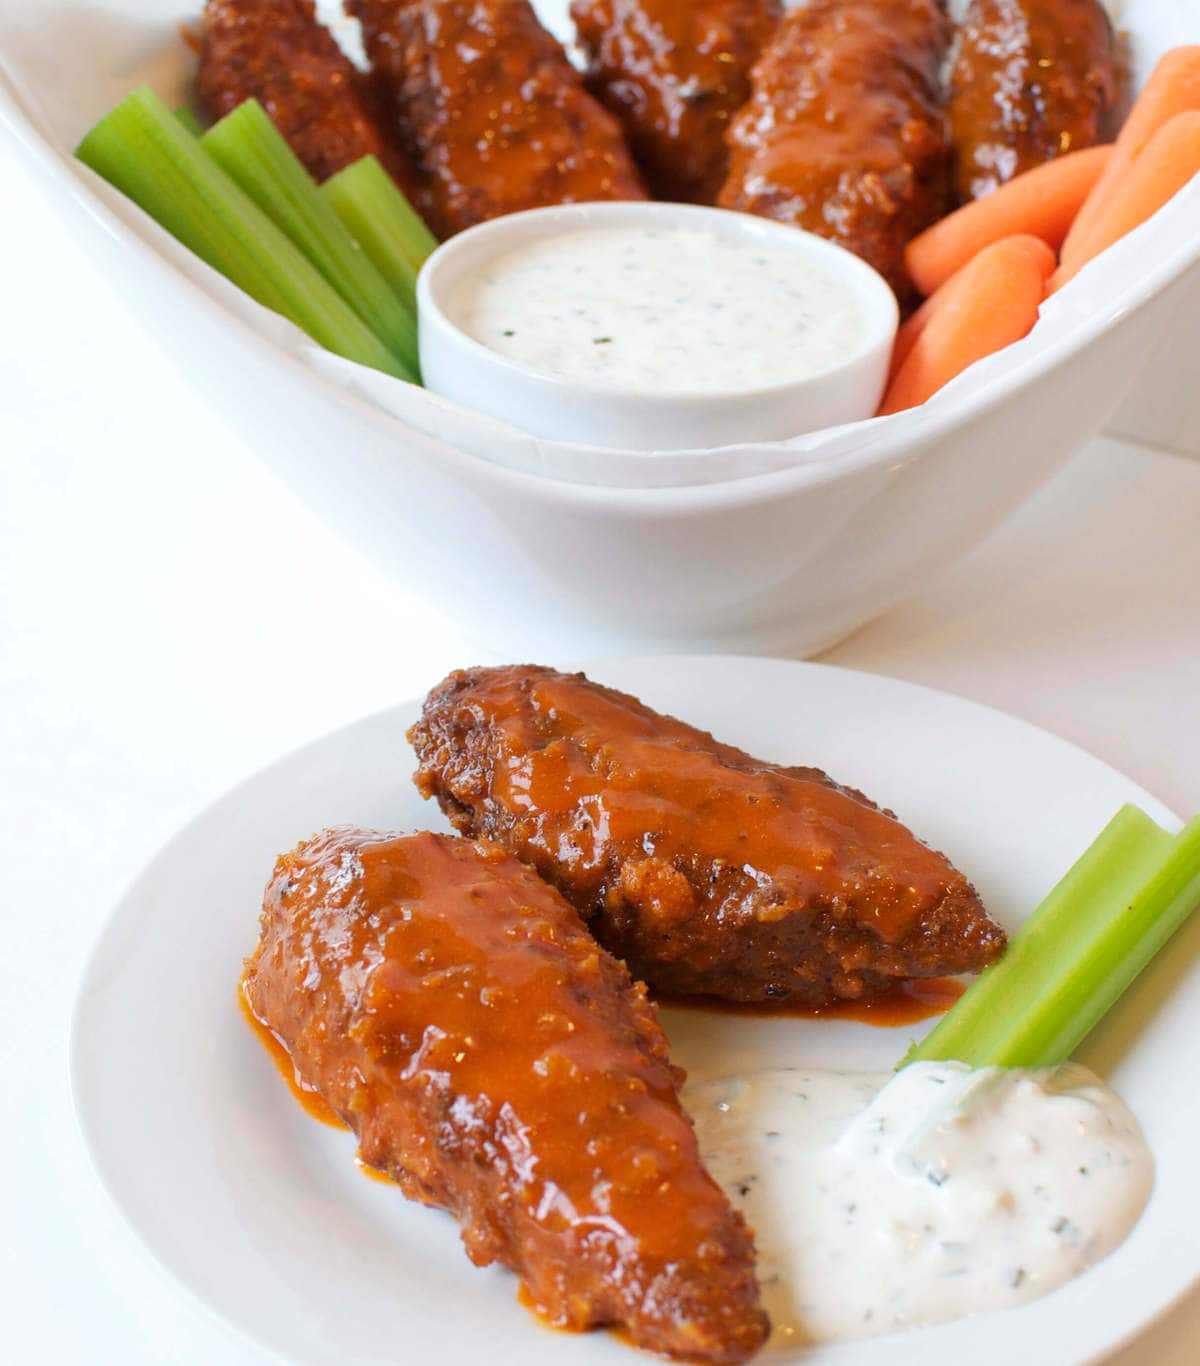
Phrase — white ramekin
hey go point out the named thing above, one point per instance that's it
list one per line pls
(459, 368)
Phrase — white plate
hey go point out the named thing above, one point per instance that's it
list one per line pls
(259, 1211)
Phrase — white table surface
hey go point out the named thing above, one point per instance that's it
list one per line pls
(171, 619)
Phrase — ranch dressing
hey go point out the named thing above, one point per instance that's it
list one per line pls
(887, 1202)
(662, 310)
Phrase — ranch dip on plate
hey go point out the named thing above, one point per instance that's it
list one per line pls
(887, 1202)
(657, 309)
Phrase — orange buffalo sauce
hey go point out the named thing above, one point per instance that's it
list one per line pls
(312, 1101)
(526, 1301)
(907, 1003)
(529, 1304)
(374, 1174)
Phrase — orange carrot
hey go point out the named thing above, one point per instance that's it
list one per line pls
(1042, 202)
(1172, 88)
(990, 303)
(910, 329)
(1170, 160)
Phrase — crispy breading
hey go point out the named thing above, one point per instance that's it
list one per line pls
(277, 52)
(494, 1061)
(708, 871)
(844, 133)
(486, 102)
(675, 72)
(1033, 80)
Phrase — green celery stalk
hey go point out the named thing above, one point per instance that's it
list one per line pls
(383, 222)
(187, 117)
(144, 150)
(250, 149)
(1074, 957)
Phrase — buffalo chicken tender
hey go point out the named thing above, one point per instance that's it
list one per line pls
(277, 52)
(490, 108)
(708, 871)
(843, 134)
(495, 1062)
(675, 72)
(1033, 80)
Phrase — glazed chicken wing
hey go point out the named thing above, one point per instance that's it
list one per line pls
(278, 53)
(674, 72)
(1032, 81)
(706, 870)
(494, 1061)
(844, 133)
(487, 103)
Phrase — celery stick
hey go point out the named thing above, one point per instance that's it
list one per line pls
(143, 149)
(188, 119)
(383, 222)
(249, 148)
(1073, 958)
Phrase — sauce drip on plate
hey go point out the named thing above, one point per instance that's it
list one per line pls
(311, 1101)
(906, 1003)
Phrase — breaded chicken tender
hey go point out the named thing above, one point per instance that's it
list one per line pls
(675, 72)
(1033, 80)
(844, 133)
(497, 1063)
(491, 110)
(708, 871)
(277, 52)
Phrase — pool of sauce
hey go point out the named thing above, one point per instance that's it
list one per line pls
(907, 1003)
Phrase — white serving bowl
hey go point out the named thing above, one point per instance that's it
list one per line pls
(791, 556)
(460, 368)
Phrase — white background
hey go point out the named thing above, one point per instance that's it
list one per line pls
(171, 619)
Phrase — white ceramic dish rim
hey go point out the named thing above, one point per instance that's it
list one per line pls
(1165, 239)
(120, 912)
(616, 213)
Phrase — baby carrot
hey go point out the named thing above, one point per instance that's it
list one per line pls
(910, 329)
(992, 302)
(1169, 161)
(1042, 202)
(1172, 88)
